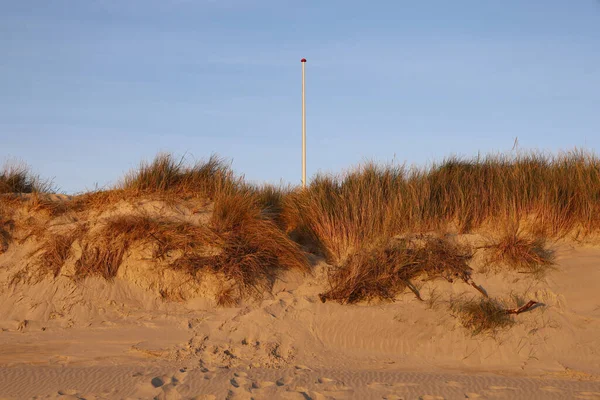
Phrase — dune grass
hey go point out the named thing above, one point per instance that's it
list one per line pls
(56, 249)
(344, 213)
(521, 253)
(18, 178)
(386, 270)
(354, 220)
(481, 315)
(103, 252)
(246, 248)
(166, 174)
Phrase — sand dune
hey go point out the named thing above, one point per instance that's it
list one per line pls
(120, 339)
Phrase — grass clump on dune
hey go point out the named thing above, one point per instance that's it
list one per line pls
(166, 174)
(481, 315)
(103, 253)
(247, 248)
(521, 253)
(385, 271)
(17, 178)
(56, 249)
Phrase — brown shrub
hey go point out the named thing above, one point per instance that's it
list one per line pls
(521, 253)
(104, 253)
(481, 315)
(386, 270)
(252, 249)
(255, 248)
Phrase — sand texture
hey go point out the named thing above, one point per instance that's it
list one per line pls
(93, 338)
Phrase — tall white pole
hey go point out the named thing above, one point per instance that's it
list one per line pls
(303, 61)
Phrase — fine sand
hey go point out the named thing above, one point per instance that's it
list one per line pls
(97, 339)
(92, 339)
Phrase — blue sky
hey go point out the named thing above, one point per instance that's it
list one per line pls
(90, 88)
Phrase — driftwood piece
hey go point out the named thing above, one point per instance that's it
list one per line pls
(478, 287)
(521, 309)
(413, 289)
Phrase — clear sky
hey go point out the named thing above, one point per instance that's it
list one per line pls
(88, 88)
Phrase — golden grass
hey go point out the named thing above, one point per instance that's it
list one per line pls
(521, 253)
(5, 233)
(247, 248)
(342, 214)
(351, 219)
(481, 315)
(103, 253)
(386, 270)
(17, 178)
(55, 252)
(166, 174)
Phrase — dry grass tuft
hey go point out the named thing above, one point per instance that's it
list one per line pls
(246, 248)
(56, 249)
(104, 253)
(5, 233)
(17, 178)
(256, 249)
(481, 315)
(521, 253)
(165, 174)
(385, 271)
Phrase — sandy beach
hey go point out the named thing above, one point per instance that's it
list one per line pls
(97, 339)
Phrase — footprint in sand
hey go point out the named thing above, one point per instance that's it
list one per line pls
(302, 369)
(180, 375)
(239, 381)
(262, 384)
(159, 381)
(286, 380)
(231, 395)
(169, 392)
(67, 392)
(332, 385)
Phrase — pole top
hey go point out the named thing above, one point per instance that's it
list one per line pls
(303, 60)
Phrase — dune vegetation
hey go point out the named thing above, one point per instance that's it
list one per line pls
(379, 227)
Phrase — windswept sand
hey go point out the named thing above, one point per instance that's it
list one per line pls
(100, 339)
(97, 339)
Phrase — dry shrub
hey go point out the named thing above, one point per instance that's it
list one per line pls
(386, 270)
(56, 249)
(17, 178)
(255, 248)
(252, 250)
(104, 253)
(521, 253)
(481, 315)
